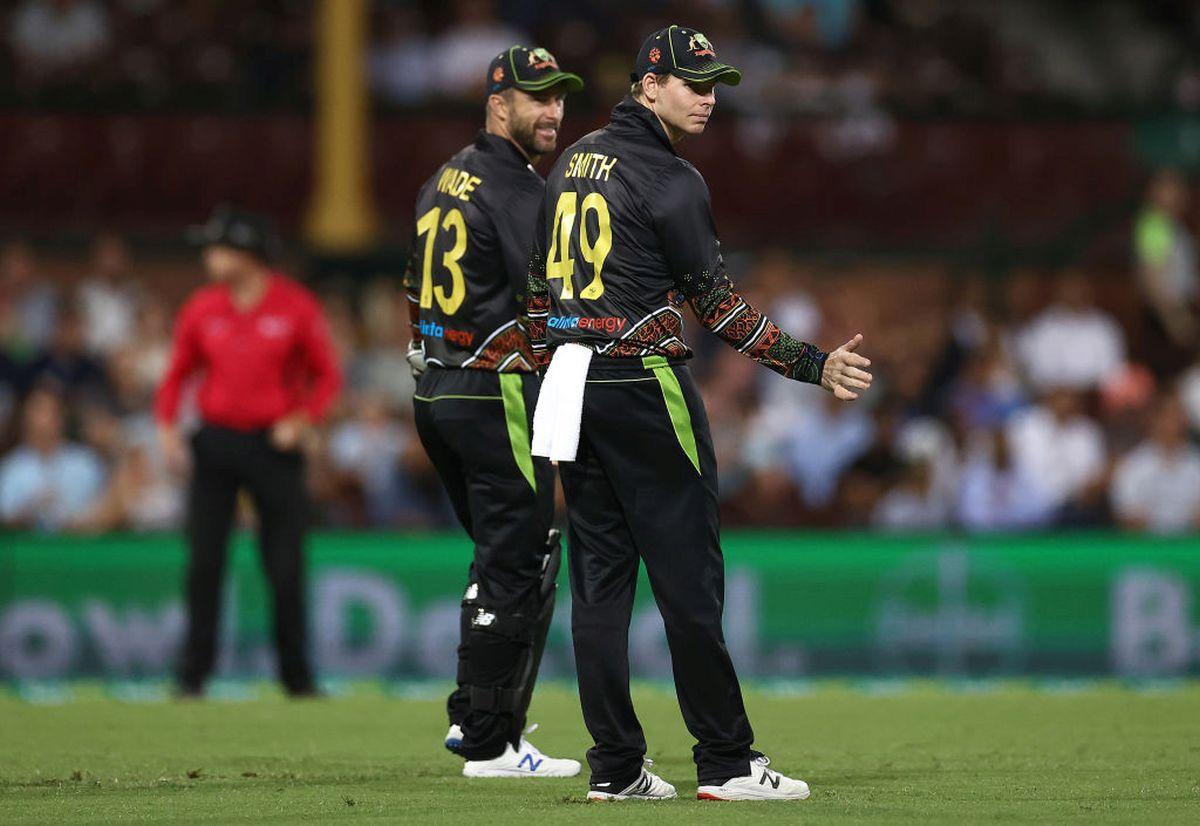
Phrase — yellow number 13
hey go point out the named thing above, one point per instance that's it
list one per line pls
(427, 226)
(560, 264)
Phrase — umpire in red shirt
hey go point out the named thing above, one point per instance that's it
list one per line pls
(259, 342)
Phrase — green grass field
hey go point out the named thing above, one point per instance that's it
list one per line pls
(923, 754)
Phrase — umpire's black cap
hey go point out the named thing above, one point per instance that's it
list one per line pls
(238, 229)
(530, 70)
(685, 53)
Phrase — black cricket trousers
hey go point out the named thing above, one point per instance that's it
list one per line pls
(224, 462)
(476, 425)
(643, 488)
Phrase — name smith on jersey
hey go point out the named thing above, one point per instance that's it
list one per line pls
(590, 165)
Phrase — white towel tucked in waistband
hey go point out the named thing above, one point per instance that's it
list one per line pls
(560, 404)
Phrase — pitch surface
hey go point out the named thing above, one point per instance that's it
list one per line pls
(918, 753)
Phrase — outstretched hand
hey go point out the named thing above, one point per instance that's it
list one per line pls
(845, 371)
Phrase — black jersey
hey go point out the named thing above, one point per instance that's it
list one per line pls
(625, 237)
(468, 269)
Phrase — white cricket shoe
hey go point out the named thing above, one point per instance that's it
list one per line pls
(761, 784)
(453, 741)
(526, 761)
(647, 787)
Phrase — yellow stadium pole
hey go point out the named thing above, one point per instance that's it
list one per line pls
(341, 216)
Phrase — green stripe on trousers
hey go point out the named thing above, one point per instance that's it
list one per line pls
(677, 407)
(518, 424)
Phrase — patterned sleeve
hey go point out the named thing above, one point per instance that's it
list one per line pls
(537, 299)
(723, 310)
(684, 223)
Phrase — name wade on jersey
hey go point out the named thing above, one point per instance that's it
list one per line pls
(458, 184)
(470, 254)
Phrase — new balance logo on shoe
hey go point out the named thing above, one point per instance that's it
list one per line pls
(525, 761)
(770, 785)
(774, 781)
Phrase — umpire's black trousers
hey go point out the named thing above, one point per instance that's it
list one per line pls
(225, 462)
(644, 487)
(475, 425)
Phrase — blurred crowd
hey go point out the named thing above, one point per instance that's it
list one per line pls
(82, 353)
(851, 57)
(1031, 400)
(143, 54)
(1063, 399)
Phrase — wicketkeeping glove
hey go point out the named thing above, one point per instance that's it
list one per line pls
(416, 358)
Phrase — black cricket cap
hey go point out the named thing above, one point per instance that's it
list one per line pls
(685, 53)
(239, 229)
(530, 70)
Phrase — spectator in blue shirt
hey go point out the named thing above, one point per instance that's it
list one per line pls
(47, 482)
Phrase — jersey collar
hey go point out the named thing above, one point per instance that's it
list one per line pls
(502, 147)
(631, 117)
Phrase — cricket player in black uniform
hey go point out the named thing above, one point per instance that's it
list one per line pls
(476, 389)
(629, 238)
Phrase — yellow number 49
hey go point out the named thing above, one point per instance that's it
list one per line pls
(560, 264)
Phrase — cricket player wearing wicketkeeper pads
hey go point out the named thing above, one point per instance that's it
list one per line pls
(476, 390)
(628, 238)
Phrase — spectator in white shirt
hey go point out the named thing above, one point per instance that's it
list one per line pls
(107, 298)
(1062, 449)
(1156, 486)
(1072, 343)
(997, 494)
